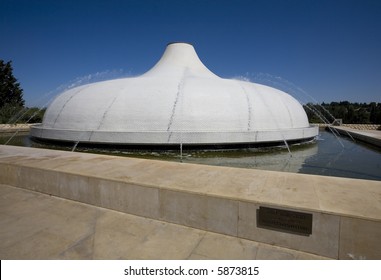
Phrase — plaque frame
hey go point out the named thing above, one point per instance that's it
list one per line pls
(284, 220)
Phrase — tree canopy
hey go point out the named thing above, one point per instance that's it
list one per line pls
(11, 94)
(10, 90)
(356, 113)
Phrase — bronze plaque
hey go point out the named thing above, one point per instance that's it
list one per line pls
(284, 220)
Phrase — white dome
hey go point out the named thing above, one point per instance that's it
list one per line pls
(178, 101)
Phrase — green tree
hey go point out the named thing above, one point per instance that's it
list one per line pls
(362, 113)
(375, 112)
(11, 97)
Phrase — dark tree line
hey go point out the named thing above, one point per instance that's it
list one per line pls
(10, 90)
(12, 109)
(356, 113)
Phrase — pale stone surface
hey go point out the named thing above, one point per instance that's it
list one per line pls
(368, 135)
(38, 226)
(323, 240)
(189, 209)
(203, 212)
(9, 174)
(142, 201)
(204, 197)
(167, 241)
(233, 248)
(75, 187)
(15, 127)
(364, 202)
(305, 192)
(360, 239)
(271, 253)
(362, 126)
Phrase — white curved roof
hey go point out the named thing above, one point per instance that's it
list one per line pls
(178, 101)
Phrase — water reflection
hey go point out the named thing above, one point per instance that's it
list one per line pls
(354, 160)
(277, 158)
(325, 156)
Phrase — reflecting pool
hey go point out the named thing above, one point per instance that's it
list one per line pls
(328, 155)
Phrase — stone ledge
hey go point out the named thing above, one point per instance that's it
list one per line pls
(353, 126)
(216, 199)
(363, 126)
(372, 137)
(15, 127)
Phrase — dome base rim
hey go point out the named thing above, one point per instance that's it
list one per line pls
(161, 138)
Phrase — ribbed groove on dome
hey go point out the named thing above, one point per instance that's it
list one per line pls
(178, 101)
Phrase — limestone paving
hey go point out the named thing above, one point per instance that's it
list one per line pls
(38, 226)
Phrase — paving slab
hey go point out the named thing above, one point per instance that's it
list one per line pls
(39, 226)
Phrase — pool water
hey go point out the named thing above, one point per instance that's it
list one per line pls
(327, 155)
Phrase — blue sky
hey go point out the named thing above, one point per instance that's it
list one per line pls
(329, 49)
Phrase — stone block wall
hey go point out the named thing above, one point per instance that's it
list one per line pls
(363, 126)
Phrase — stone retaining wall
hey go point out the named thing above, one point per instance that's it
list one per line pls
(363, 126)
(15, 127)
(355, 126)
